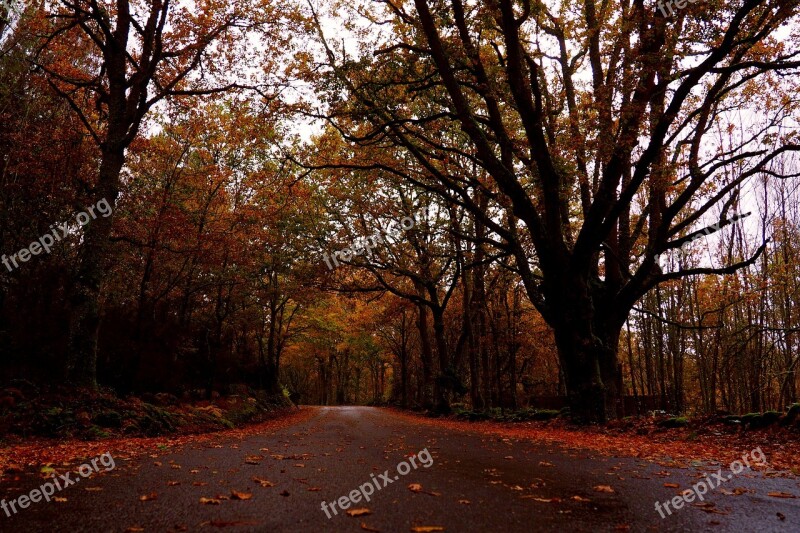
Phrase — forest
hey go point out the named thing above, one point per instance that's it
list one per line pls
(435, 205)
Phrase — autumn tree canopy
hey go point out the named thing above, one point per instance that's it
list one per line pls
(602, 202)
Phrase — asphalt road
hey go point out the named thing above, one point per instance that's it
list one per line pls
(470, 482)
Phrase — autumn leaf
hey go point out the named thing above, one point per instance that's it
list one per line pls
(580, 499)
(671, 485)
(240, 495)
(173, 483)
(59, 499)
(253, 459)
(365, 527)
(263, 482)
(545, 464)
(738, 491)
(359, 512)
(229, 523)
(776, 494)
(603, 488)
(427, 529)
(209, 501)
(542, 500)
(148, 497)
(415, 487)
(464, 502)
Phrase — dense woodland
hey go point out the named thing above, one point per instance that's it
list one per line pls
(539, 166)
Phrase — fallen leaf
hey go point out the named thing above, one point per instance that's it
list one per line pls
(709, 507)
(365, 527)
(134, 529)
(148, 497)
(94, 489)
(426, 529)
(776, 494)
(545, 463)
(671, 485)
(253, 459)
(240, 495)
(314, 489)
(263, 482)
(543, 500)
(228, 523)
(603, 488)
(359, 512)
(60, 500)
(738, 491)
(580, 499)
(209, 501)
(465, 502)
(199, 484)
(415, 487)
(173, 483)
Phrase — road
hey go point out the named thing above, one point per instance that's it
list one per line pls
(470, 482)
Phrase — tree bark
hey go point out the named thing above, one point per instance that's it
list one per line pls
(81, 366)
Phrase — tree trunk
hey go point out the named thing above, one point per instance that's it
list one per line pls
(81, 365)
(587, 337)
(426, 354)
(444, 383)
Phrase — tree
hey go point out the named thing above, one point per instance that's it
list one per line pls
(112, 62)
(589, 181)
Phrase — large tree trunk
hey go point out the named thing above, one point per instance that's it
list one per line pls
(588, 350)
(587, 329)
(81, 366)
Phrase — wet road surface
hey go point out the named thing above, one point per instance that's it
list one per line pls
(471, 482)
